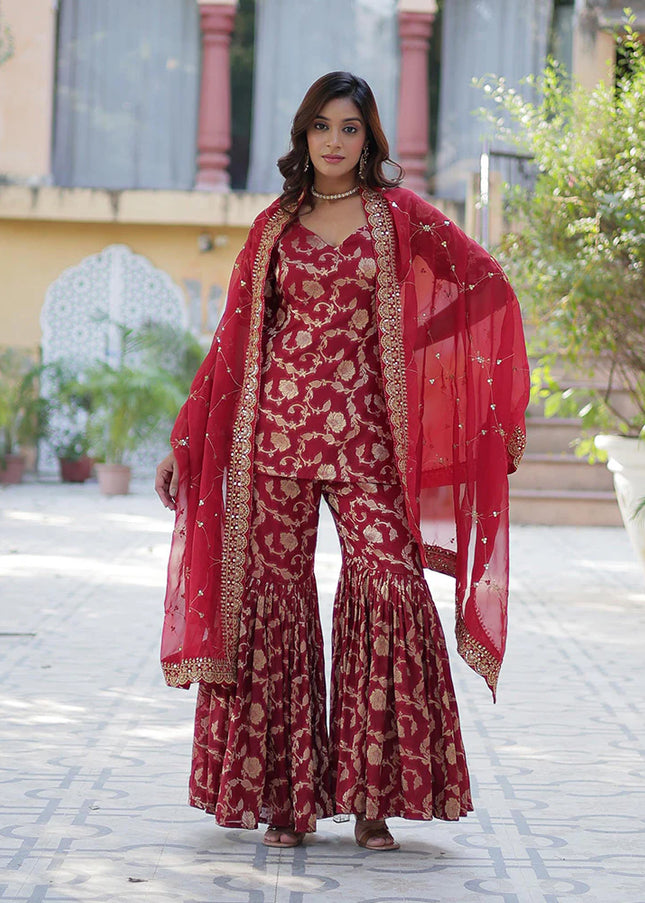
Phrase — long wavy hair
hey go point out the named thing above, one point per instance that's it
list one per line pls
(297, 180)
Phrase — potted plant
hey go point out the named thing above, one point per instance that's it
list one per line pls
(22, 412)
(626, 461)
(74, 459)
(576, 249)
(67, 428)
(130, 401)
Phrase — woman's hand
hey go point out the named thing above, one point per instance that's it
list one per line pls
(166, 481)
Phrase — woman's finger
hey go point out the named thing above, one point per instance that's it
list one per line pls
(174, 481)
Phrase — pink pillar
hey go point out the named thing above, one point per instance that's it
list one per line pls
(214, 135)
(415, 29)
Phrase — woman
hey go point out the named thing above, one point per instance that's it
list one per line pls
(371, 354)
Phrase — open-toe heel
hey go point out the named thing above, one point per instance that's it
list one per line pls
(285, 838)
(366, 830)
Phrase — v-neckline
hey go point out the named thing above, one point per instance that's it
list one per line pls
(328, 244)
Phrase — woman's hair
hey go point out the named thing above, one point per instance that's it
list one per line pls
(326, 88)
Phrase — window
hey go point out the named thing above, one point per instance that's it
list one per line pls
(561, 38)
(127, 94)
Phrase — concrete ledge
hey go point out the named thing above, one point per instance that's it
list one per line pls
(179, 208)
(207, 208)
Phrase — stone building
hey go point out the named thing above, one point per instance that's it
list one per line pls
(115, 118)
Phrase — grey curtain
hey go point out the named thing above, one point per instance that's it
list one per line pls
(481, 37)
(295, 43)
(127, 93)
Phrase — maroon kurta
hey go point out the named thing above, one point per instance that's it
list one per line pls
(322, 412)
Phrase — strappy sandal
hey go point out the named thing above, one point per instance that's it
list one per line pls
(274, 834)
(372, 830)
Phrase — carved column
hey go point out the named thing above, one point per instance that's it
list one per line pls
(415, 28)
(214, 134)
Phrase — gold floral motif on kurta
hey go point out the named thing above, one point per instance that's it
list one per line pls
(322, 412)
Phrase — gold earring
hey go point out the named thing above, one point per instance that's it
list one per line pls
(306, 166)
(363, 162)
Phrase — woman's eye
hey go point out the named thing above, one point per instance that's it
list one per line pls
(320, 126)
(351, 129)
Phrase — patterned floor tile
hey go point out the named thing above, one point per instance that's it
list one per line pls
(95, 749)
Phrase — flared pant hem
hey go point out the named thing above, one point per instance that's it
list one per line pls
(262, 752)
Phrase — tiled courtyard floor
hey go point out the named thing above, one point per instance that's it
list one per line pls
(95, 749)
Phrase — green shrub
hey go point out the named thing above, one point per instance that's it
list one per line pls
(576, 249)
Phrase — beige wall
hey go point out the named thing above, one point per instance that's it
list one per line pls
(594, 56)
(33, 254)
(26, 90)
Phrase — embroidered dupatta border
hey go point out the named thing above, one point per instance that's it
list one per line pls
(388, 309)
(516, 446)
(193, 670)
(239, 486)
(477, 656)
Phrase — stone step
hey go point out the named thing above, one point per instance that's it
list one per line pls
(620, 395)
(564, 508)
(551, 434)
(552, 485)
(545, 471)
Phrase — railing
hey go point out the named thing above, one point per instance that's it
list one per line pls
(516, 169)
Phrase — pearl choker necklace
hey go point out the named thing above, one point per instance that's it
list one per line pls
(335, 197)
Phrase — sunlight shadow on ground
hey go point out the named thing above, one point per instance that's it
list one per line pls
(91, 569)
(36, 517)
(138, 523)
(40, 711)
(604, 565)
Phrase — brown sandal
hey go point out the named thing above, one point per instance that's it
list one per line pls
(373, 830)
(274, 834)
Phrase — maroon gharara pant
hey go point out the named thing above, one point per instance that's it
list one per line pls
(262, 751)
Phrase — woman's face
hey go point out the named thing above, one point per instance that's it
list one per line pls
(336, 137)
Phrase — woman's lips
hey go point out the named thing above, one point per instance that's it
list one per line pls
(332, 158)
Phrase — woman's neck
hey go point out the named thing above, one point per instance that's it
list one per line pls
(329, 185)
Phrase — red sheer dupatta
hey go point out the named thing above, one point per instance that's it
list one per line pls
(456, 385)
(468, 373)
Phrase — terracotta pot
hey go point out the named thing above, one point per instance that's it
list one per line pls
(114, 479)
(626, 461)
(75, 470)
(13, 469)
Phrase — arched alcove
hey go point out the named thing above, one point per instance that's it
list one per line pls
(83, 316)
